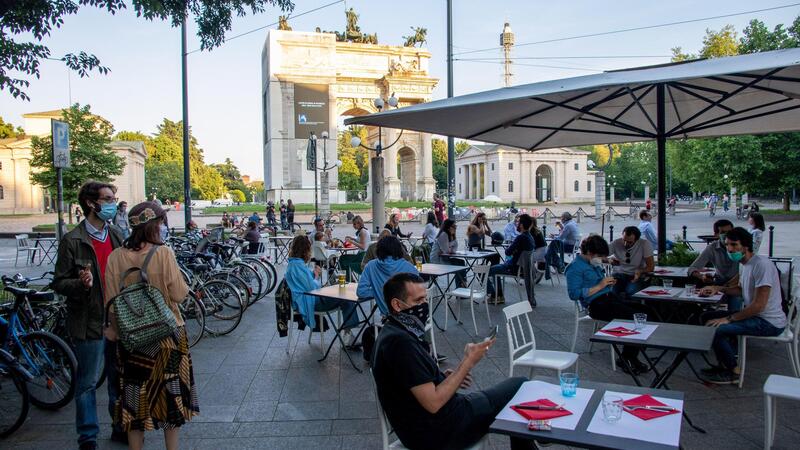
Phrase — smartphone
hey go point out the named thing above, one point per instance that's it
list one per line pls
(492, 334)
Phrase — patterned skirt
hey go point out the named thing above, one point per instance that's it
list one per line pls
(156, 385)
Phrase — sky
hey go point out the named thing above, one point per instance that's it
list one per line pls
(144, 84)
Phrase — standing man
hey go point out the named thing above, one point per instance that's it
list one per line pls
(284, 223)
(760, 286)
(121, 219)
(438, 208)
(79, 276)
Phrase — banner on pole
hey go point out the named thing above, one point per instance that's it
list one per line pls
(311, 154)
(60, 144)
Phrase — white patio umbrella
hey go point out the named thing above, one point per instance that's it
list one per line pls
(748, 94)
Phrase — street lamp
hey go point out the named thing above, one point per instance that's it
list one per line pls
(376, 163)
(325, 168)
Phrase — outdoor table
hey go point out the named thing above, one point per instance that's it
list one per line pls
(49, 248)
(679, 272)
(471, 257)
(345, 293)
(433, 272)
(282, 245)
(585, 431)
(671, 301)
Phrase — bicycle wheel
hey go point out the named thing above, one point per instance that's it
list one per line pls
(245, 292)
(194, 317)
(14, 401)
(255, 284)
(268, 272)
(216, 296)
(53, 366)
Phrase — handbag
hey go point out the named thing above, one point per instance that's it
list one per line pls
(143, 317)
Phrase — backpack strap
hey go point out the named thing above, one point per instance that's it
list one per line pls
(147, 259)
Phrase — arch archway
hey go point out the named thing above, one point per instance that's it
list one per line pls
(544, 184)
(407, 171)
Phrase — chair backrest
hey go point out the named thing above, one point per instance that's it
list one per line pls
(528, 266)
(793, 316)
(479, 283)
(517, 320)
(539, 253)
(22, 240)
(382, 419)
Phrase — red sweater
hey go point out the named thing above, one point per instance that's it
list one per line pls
(101, 251)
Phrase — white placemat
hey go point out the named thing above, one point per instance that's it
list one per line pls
(663, 430)
(696, 296)
(534, 390)
(644, 333)
(673, 291)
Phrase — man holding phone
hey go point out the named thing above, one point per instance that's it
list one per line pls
(79, 276)
(422, 403)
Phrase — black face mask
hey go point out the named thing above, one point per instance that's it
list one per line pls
(421, 312)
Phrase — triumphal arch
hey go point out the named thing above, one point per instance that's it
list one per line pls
(311, 81)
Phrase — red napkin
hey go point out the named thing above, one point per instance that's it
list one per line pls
(531, 414)
(348, 244)
(662, 271)
(646, 414)
(657, 292)
(620, 331)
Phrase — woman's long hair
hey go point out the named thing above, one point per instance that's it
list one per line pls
(445, 228)
(432, 218)
(300, 248)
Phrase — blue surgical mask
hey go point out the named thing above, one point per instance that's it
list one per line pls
(164, 231)
(735, 256)
(107, 211)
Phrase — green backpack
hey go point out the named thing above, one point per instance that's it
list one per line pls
(143, 317)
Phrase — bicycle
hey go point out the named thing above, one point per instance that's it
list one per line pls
(14, 396)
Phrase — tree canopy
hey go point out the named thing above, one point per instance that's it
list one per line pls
(25, 24)
(8, 130)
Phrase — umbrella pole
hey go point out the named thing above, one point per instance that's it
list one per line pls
(661, 141)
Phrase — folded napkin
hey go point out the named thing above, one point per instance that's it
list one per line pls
(619, 331)
(657, 292)
(646, 414)
(662, 271)
(532, 414)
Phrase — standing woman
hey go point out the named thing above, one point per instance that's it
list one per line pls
(157, 389)
(477, 231)
(757, 227)
(290, 212)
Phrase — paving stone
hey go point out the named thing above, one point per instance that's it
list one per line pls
(285, 428)
(307, 410)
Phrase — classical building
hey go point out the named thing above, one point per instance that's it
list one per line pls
(19, 196)
(311, 81)
(543, 176)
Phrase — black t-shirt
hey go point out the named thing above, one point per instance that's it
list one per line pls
(400, 362)
(538, 239)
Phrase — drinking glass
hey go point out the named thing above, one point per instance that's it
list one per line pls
(340, 278)
(569, 384)
(667, 283)
(612, 408)
(690, 289)
(639, 320)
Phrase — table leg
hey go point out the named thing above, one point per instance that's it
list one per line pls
(661, 380)
(339, 338)
(441, 297)
(625, 365)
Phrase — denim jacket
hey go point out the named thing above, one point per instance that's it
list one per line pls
(301, 280)
(582, 276)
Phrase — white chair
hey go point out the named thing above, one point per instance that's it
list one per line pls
(582, 315)
(24, 246)
(386, 427)
(788, 337)
(518, 276)
(318, 315)
(476, 292)
(522, 342)
(777, 386)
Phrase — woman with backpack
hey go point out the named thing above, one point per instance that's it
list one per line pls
(156, 382)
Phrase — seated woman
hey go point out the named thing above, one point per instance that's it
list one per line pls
(390, 261)
(394, 226)
(587, 283)
(431, 229)
(372, 250)
(446, 244)
(477, 231)
(252, 236)
(362, 236)
(301, 280)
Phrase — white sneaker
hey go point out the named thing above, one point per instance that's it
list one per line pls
(349, 338)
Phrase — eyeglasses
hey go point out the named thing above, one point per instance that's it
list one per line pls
(627, 257)
(108, 199)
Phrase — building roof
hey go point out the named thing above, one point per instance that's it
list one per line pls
(53, 113)
(136, 146)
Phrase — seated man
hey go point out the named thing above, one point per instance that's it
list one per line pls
(423, 404)
(648, 232)
(727, 271)
(762, 315)
(587, 283)
(372, 250)
(319, 227)
(632, 259)
(510, 231)
(389, 261)
(563, 243)
(523, 242)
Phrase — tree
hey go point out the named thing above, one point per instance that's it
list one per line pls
(164, 179)
(7, 130)
(237, 196)
(354, 173)
(25, 24)
(91, 158)
(228, 170)
(720, 43)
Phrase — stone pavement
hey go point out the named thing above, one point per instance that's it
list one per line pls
(253, 395)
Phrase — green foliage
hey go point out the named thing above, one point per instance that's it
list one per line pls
(354, 173)
(439, 150)
(720, 43)
(25, 24)
(680, 256)
(91, 158)
(237, 196)
(164, 179)
(7, 130)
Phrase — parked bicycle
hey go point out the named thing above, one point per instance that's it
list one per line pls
(14, 396)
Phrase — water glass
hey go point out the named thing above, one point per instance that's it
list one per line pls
(569, 384)
(340, 278)
(639, 320)
(667, 283)
(612, 408)
(690, 289)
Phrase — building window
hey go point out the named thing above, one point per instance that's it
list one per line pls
(265, 112)
(1, 165)
(589, 185)
(492, 186)
(459, 170)
(510, 185)
(459, 188)
(577, 166)
(492, 166)
(511, 166)
(2, 194)
(577, 186)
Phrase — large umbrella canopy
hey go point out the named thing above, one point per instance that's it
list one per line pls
(746, 94)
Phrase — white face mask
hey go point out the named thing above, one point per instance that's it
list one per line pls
(597, 261)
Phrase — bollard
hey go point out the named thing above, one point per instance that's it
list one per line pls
(684, 232)
(544, 230)
(771, 238)
(610, 233)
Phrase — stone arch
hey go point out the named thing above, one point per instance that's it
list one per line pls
(407, 173)
(544, 183)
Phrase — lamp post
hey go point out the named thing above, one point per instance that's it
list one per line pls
(377, 163)
(325, 168)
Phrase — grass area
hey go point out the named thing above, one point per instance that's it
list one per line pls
(50, 227)
(767, 212)
(355, 206)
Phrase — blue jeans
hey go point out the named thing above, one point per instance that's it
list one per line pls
(625, 285)
(112, 381)
(89, 354)
(499, 269)
(555, 255)
(725, 337)
(349, 310)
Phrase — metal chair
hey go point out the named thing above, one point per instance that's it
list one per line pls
(472, 294)
(582, 315)
(522, 342)
(777, 386)
(788, 337)
(24, 246)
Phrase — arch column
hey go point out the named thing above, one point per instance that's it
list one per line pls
(391, 182)
(426, 184)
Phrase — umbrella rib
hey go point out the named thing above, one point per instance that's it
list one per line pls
(726, 96)
(679, 87)
(630, 105)
(710, 123)
(578, 130)
(674, 104)
(527, 116)
(740, 83)
(641, 108)
(699, 88)
(751, 75)
(608, 120)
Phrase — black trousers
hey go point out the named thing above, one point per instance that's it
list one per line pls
(609, 307)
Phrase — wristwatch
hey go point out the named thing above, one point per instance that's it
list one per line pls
(730, 318)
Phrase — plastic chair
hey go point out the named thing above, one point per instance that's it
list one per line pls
(777, 386)
(788, 337)
(582, 315)
(472, 294)
(319, 316)
(524, 344)
(24, 246)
